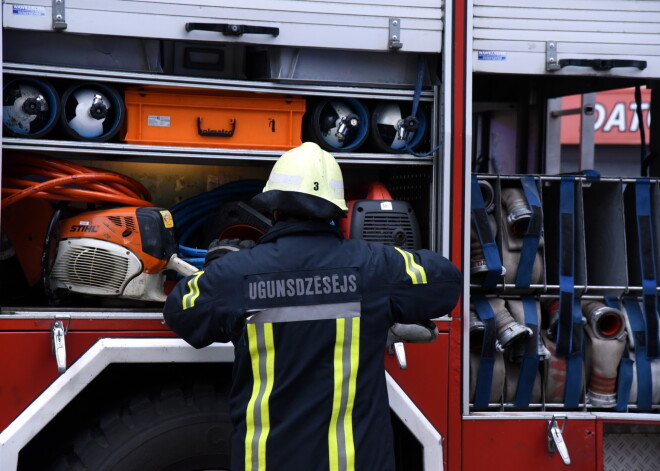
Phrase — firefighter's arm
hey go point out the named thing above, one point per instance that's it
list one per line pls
(192, 310)
(200, 308)
(425, 286)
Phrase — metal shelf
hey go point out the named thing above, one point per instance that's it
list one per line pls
(190, 155)
(202, 155)
(137, 78)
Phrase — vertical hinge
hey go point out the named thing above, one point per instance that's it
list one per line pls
(556, 440)
(59, 347)
(395, 34)
(551, 62)
(59, 19)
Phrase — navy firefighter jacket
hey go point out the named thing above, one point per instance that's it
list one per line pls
(308, 313)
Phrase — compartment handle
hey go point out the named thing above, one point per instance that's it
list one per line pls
(233, 30)
(602, 64)
(214, 133)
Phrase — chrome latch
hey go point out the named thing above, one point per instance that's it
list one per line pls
(399, 334)
(551, 62)
(395, 34)
(59, 20)
(59, 347)
(399, 350)
(556, 439)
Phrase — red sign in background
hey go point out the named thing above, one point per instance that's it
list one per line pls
(616, 121)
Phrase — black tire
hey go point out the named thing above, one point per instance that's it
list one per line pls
(171, 429)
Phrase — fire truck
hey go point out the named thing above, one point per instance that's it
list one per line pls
(133, 129)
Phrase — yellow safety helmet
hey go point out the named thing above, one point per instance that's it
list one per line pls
(305, 181)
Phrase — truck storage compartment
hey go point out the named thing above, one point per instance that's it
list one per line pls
(584, 338)
(101, 233)
(175, 117)
(98, 278)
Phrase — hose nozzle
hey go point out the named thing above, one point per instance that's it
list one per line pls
(488, 194)
(518, 212)
(509, 332)
(606, 322)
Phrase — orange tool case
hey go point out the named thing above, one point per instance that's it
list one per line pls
(181, 117)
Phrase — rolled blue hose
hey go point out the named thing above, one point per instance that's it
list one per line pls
(189, 214)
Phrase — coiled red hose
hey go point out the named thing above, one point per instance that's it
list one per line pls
(67, 181)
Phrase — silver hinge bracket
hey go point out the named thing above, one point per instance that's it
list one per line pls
(59, 346)
(551, 61)
(394, 41)
(59, 18)
(556, 439)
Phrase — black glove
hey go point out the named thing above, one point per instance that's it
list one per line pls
(219, 248)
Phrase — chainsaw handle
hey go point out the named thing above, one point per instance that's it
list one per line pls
(181, 266)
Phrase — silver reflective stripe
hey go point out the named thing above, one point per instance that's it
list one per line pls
(291, 181)
(415, 272)
(314, 312)
(337, 187)
(341, 425)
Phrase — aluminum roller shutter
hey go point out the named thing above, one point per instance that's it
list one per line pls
(341, 24)
(511, 36)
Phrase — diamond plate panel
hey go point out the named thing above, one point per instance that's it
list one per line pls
(631, 451)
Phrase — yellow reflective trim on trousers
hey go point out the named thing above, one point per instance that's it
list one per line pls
(341, 445)
(257, 414)
(193, 291)
(352, 386)
(256, 385)
(336, 397)
(414, 270)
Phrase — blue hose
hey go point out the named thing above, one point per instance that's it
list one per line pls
(190, 213)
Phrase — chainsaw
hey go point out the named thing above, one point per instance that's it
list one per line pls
(122, 252)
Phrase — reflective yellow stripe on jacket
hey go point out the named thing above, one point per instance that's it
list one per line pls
(414, 270)
(193, 291)
(257, 418)
(346, 361)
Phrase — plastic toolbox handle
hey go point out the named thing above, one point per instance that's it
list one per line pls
(216, 133)
(233, 30)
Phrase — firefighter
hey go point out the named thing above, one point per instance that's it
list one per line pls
(308, 313)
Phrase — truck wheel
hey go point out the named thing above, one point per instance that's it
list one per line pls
(171, 429)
